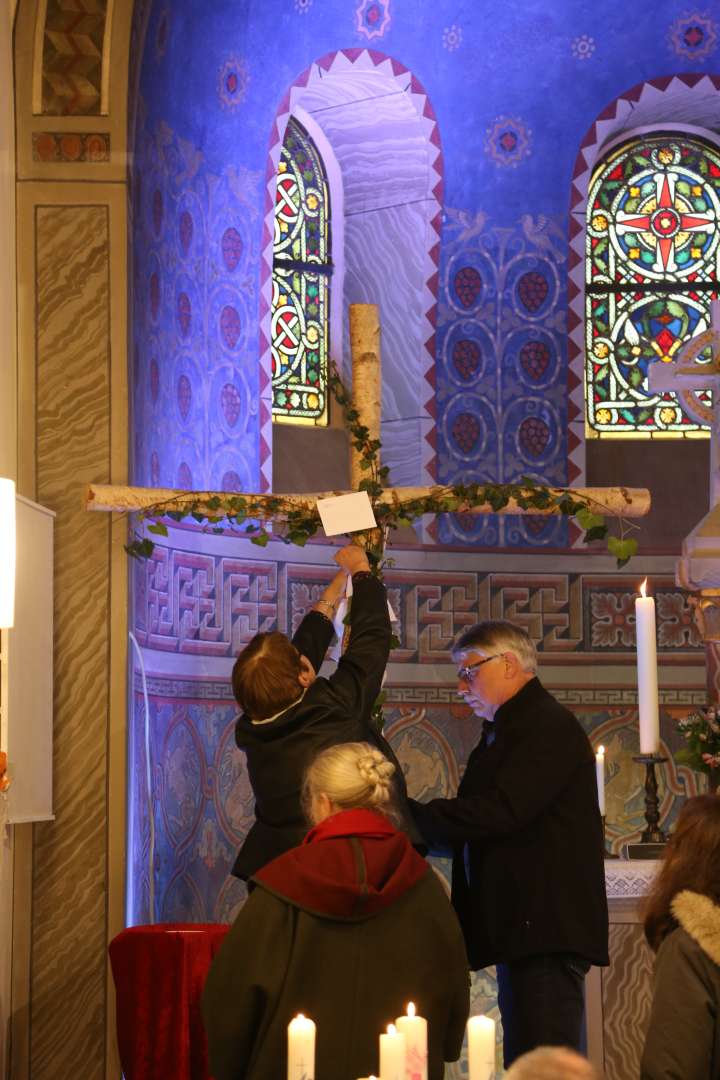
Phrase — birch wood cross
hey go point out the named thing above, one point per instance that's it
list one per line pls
(392, 505)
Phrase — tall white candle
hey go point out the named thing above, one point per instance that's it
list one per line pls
(600, 773)
(392, 1054)
(301, 1049)
(647, 672)
(481, 1047)
(414, 1028)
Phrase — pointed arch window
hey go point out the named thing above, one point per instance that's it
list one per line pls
(302, 267)
(652, 265)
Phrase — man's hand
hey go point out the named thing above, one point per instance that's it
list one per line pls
(352, 558)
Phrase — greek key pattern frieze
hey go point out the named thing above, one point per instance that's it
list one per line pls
(206, 605)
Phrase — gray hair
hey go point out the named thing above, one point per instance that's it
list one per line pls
(501, 636)
(353, 776)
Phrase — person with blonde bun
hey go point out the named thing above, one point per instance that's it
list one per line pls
(346, 928)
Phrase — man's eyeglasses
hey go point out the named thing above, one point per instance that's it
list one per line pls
(465, 674)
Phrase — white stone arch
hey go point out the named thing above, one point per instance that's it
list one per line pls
(376, 119)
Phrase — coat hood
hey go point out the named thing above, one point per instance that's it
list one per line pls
(700, 918)
(351, 867)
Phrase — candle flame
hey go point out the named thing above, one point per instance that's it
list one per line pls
(411, 1009)
(391, 1029)
(601, 751)
(642, 588)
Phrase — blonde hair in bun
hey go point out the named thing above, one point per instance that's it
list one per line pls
(353, 776)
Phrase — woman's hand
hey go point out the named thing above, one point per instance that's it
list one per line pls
(352, 558)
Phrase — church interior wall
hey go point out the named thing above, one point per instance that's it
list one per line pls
(71, 214)
(513, 92)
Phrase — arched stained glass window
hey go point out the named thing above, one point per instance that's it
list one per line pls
(300, 282)
(652, 261)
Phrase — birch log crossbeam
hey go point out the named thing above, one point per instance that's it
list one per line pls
(610, 502)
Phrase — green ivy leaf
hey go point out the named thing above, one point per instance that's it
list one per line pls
(586, 519)
(394, 642)
(598, 532)
(158, 529)
(260, 540)
(623, 550)
(140, 549)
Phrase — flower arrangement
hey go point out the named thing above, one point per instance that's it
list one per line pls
(701, 731)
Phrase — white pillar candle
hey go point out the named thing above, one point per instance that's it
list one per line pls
(600, 773)
(301, 1049)
(414, 1028)
(647, 672)
(392, 1055)
(481, 1047)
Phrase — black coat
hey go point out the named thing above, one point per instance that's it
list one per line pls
(526, 837)
(334, 710)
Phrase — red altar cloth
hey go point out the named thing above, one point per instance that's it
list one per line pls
(159, 973)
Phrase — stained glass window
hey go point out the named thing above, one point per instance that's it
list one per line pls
(652, 261)
(300, 282)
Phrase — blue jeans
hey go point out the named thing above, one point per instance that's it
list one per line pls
(542, 1002)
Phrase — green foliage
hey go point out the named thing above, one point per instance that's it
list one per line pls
(701, 732)
(295, 524)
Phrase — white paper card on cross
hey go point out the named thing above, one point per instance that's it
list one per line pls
(684, 373)
(346, 513)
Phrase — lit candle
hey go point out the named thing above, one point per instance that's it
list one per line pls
(647, 672)
(301, 1049)
(481, 1047)
(414, 1028)
(392, 1054)
(600, 773)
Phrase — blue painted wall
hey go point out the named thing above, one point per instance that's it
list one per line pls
(514, 87)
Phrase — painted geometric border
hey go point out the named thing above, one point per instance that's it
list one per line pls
(615, 118)
(359, 59)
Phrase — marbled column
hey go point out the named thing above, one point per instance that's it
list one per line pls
(73, 447)
(627, 996)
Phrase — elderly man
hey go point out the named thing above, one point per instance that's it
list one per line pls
(526, 837)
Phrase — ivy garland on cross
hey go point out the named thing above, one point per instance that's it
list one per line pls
(295, 519)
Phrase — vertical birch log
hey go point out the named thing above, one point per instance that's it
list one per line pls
(366, 377)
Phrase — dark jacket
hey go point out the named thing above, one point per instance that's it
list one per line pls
(526, 837)
(683, 1037)
(346, 929)
(334, 710)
